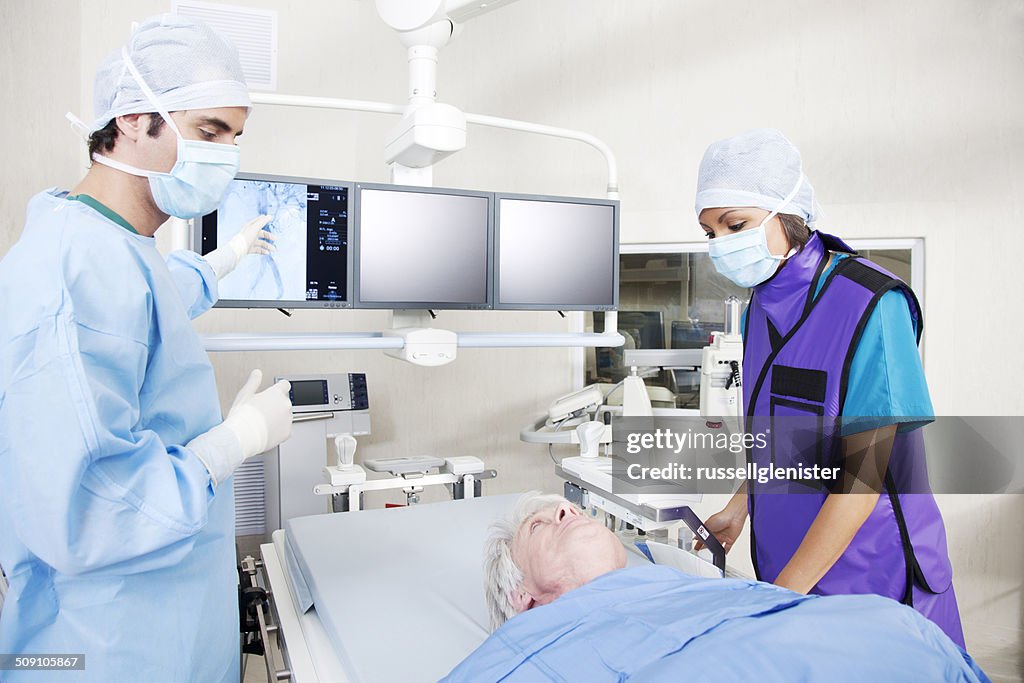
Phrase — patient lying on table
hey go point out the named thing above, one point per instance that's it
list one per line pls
(580, 615)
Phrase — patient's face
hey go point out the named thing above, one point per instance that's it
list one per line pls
(559, 549)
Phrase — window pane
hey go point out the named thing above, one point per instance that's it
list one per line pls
(666, 301)
(675, 301)
(896, 261)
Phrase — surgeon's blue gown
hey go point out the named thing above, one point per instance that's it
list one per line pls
(115, 542)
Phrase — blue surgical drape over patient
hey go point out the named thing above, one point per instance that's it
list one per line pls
(115, 543)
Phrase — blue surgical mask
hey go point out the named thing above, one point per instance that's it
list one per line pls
(196, 183)
(199, 178)
(744, 257)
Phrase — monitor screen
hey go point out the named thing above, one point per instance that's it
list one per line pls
(556, 254)
(422, 248)
(309, 392)
(309, 219)
(689, 335)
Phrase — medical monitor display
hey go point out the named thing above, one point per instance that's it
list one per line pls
(422, 248)
(556, 254)
(310, 266)
(312, 392)
(689, 335)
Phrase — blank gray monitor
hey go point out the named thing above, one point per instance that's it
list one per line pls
(556, 254)
(422, 248)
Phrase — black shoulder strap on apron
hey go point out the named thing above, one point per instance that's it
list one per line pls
(867, 277)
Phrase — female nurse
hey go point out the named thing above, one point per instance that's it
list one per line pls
(830, 340)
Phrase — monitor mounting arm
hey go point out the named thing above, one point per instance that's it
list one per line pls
(429, 130)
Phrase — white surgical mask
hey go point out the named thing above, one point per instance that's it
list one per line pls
(200, 176)
(744, 257)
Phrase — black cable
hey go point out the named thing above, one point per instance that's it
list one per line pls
(558, 425)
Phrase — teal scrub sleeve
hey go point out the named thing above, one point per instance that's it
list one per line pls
(887, 383)
(195, 280)
(91, 492)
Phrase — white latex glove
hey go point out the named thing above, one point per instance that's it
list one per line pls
(251, 239)
(255, 423)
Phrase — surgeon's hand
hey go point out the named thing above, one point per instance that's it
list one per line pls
(260, 420)
(256, 422)
(251, 239)
(727, 524)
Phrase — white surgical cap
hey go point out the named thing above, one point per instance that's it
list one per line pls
(184, 62)
(759, 168)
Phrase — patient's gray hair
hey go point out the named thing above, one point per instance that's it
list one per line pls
(501, 575)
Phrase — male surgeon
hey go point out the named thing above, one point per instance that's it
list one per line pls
(116, 499)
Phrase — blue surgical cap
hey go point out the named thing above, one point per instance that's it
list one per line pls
(186, 64)
(757, 168)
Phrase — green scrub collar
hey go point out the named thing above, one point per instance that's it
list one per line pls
(104, 210)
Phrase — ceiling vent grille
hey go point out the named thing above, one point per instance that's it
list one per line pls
(253, 32)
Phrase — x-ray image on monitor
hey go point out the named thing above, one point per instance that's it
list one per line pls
(309, 220)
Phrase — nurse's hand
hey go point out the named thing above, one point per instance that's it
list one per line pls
(251, 239)
(727, 524)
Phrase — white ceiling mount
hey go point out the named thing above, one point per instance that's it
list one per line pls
(429, 131)
(464, 11)
(436, 35)
(409, 15)
(426, 134)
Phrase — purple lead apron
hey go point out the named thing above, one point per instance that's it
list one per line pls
(797, 355)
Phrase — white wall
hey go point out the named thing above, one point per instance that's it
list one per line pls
(39, 55)
(909, 116)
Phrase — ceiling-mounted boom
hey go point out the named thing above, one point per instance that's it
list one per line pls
(429, 131)
(409, 15)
